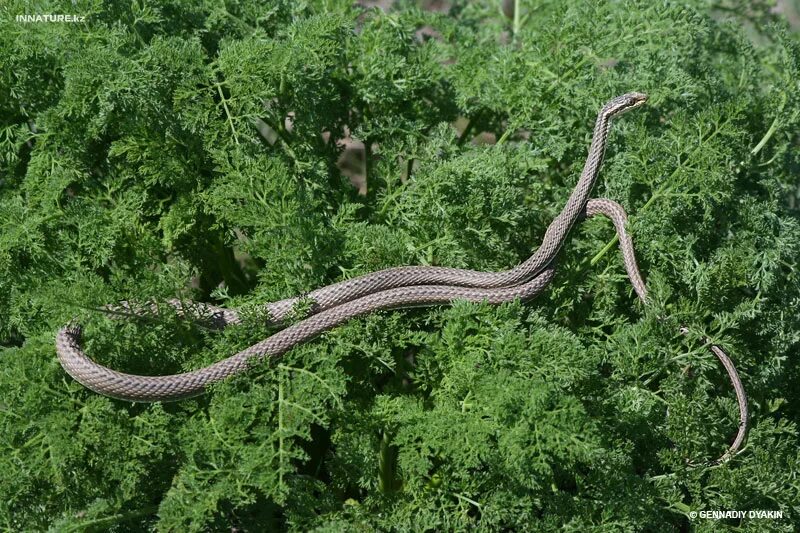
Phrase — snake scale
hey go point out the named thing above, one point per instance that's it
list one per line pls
(390, 289)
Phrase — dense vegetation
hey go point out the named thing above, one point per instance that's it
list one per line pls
(190, 149)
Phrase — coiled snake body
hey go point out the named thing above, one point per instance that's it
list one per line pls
(388, 289)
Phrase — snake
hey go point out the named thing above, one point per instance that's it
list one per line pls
(391, 288)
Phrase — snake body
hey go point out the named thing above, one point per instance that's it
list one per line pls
(390, 289)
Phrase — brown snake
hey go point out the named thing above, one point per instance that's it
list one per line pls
(390, 289)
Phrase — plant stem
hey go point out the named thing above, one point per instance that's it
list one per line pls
(655, 195)
(283, 135)
(386, 464)
(505, 136)
(770, 132)
(227, 111)
(468, 500)
(367, 160)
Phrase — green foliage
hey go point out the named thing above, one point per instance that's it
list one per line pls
(164, 149)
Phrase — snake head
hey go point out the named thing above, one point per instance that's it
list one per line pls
(624, 103)
(635, 99)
